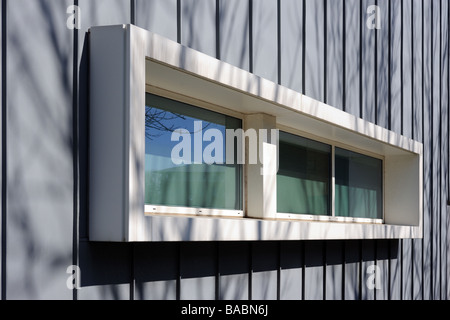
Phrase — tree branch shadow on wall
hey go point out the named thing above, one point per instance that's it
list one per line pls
(39, 152)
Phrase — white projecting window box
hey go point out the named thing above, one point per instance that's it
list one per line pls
(357, 180)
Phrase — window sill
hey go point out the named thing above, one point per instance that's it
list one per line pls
(189, 228)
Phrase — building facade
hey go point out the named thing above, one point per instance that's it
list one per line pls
(384, 64)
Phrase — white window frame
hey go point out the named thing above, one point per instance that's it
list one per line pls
(125, 60)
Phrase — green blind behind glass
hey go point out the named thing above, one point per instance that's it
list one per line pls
(198, 185)
(303, 180)
(358, 189)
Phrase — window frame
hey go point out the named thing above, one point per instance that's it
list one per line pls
(151, 209)
(123, 59)
(333, 144)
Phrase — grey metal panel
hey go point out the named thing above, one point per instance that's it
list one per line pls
(234, 32)
(427, 151)
(436, 146)
(395, 270)
(314, 49)
(234, 267)
(444, 146)
(352, 57)
(158, 16)
(265, 256)
(418, 133)
(93, 13)
(1, 147)
(105, 292)
(105, 271)
(291, 269)
(335, 53)
(395, 66)
(447, 252)
(368, 66)
(314, 270)
(291, 41)
(367, 261)
(103, 12)
(383, 45)
(40, 166)
(407, 269)
(334, 270)
(352, 270)
(417, 280)
(382, 263)
(417, 69)
(155, 270)
(198, 25)
(264, 38)
(198, 270)
(407, 75)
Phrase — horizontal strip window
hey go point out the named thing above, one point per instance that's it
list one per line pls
(185, 156)
(322, 182)
(151, 171)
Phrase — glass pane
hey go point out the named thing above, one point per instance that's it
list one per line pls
(359, 180)
(185, 157)
(303, 180)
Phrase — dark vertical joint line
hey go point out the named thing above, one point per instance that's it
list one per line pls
(389, 66)
(132, 266)
(303, 46)
(401, 67)
(412, 265)
(179, 21)
(178, 282)
(360, 271)
(431, 194)
(75, 153)
(250, 35)
(303, 268)
(250, 270)
(344, 55)
(279, 271)
(376, 70)
(343, 271)
(133, 11)
(361, 17)
(412, 72)
(375, 258)
(325, 51)
(440, 151)
(218, 29)
(217, 291)
(389, 288)
(279, 41)
(401, 269)
(324, 276)
(4, 149)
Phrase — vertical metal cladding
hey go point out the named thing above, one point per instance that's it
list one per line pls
(396, 76)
